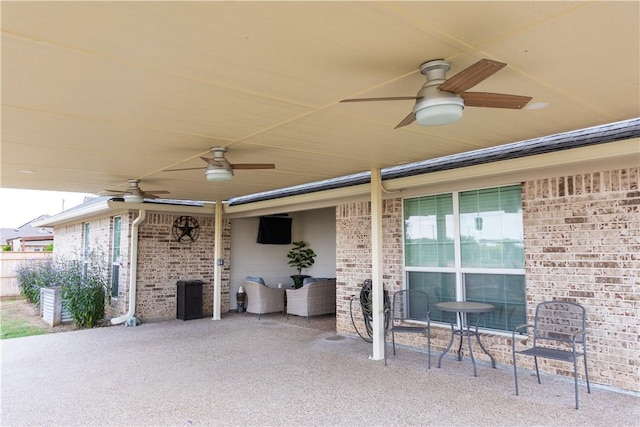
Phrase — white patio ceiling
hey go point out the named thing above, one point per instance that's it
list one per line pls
(95, 93)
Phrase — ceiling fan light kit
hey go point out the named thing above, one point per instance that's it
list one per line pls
(218, 174)
(440, 114)
(133, 198)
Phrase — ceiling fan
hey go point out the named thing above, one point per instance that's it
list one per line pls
(133, 193)
(441, 100)
(219, 168)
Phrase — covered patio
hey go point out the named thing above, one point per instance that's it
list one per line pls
(103, 96)
(241, 371)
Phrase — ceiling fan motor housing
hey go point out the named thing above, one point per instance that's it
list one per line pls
(133, 194)
(434, 106)
(223, 170)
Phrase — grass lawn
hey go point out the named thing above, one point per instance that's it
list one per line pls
(19, 318)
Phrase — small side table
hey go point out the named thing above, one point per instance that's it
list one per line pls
(464, 308)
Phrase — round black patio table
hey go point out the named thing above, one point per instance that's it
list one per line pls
(464, 308)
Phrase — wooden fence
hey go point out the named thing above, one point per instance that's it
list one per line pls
(8, 263)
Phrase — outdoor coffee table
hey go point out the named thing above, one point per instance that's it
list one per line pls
(464, 308)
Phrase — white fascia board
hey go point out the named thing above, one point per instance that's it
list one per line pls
(112, 208)
(315, 200)
(73, 215)
(613, 155)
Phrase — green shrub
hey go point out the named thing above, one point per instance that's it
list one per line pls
(85, 286)
(6, 248)
(34, 275)
(83, 291)
(85, 302)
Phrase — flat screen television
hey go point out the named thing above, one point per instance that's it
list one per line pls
(274, 230)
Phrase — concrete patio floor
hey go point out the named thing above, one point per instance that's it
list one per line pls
(244, 371)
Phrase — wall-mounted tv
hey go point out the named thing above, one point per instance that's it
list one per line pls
(274, 230)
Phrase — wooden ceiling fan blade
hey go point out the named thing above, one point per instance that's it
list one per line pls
(212, 161)
(154, 194)
(185, 169)
(253, 166)
(389, 98)
(406, 121)
(494, 100)
(471, 76)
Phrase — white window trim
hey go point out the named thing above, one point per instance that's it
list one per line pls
(458, 270)
(113, 248)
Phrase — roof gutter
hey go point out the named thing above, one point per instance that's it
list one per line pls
(133, 269)
(602, 134)
(113, 206)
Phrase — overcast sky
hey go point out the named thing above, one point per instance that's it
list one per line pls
(17, 207)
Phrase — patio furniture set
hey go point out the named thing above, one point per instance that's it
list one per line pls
(559, 327)
(559, 330)
(316, 297)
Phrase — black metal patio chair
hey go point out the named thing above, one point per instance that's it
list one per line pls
(559, 332)
(409, 314)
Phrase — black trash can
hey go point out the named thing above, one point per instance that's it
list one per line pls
(189, 299)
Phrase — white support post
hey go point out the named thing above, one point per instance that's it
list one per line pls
(217, 268)
(376, 265)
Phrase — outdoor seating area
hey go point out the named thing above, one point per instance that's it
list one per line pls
(316, 297)
(241, 372)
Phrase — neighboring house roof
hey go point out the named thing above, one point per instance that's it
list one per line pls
(25, 230)
(602, 134)
(43, 238)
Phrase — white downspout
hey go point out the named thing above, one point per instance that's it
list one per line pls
(133, 269)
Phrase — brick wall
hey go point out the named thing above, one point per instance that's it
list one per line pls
(582, 243)
(161, 261)
(353, 266)
(68, 244)
(67, 240)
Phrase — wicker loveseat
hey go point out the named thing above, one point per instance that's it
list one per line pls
(262, 299)
(313, 299)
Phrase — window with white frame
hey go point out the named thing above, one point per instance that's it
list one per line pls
(86, 250)
(468, 246)
(115, 255)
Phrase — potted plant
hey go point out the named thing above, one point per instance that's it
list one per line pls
(300, 257)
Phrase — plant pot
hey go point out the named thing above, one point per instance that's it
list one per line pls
(298, 279)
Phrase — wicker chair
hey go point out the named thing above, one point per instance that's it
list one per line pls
(262, 299)
(313, 299)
